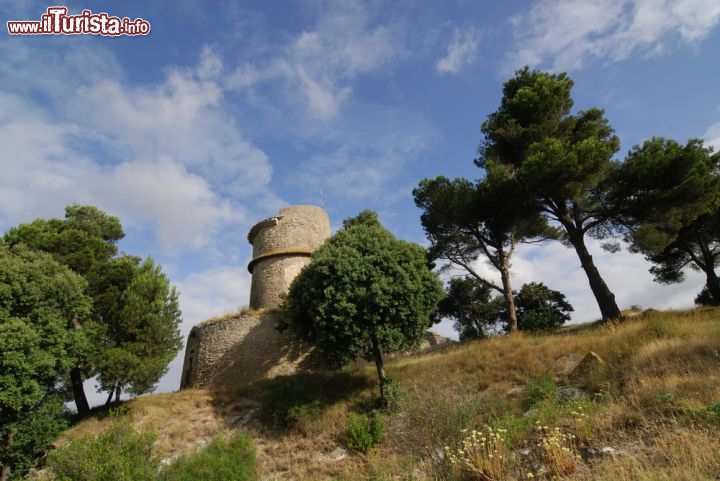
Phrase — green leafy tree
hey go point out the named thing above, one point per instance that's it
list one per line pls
(84, 240)
(32, 436)
(560, 159)
(142, 333)
(477, 313)
(540, 307)
(668, 198)
(466, 220)
(40, 341)
(364, 293)
(471, 305)
(135, 314)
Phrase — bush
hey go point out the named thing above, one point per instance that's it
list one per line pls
(122, 453)
(33, 436)
(225, 459)
(365, 432)
(481, 454)
(391, 394)
(539, 389)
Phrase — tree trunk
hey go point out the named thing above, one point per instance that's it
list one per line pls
(118, 390)
(109, 398)
(379, 365)
(81, 402)
(508, 294)
(603, 295)
(713, 284)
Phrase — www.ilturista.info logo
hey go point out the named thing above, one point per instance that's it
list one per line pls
(56, 21)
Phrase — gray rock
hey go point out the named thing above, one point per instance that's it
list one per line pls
(565, 393)
(603, 452)
(564, 365)
(589, 364)
(335, 455)
(515, 392)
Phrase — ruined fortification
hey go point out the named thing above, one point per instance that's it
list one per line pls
(281, 248)
(245, 347)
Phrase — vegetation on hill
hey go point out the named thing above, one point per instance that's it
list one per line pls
(364, 293)
(651, 411)
(135, 315)
(477, 314)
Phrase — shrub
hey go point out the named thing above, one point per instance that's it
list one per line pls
(122, 453)
(225, 459)
(365, 432)
(557, 451)
(391, 394)
(539, 389)
(482, 454)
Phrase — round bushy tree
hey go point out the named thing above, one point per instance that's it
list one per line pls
(364, 293)
(540, 307)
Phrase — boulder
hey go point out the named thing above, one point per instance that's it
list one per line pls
(589, 364)
(565, 393)
(564, 365)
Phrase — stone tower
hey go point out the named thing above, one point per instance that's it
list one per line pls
(245, 347)
(281, 248)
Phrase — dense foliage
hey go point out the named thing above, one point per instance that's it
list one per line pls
(121, 453)
(559, 159)
(126, 453)
(465, 220)
(476, 313)
(40, 339)
(668, 196)
(471, 305)
(540, 307)
(364, 293)
(135, 314)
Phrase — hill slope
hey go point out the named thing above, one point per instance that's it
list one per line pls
(650, 412)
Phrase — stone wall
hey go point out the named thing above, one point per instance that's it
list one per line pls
(241, 349)
(282, 246)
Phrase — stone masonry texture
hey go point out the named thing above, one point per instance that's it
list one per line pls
(246, 347)
(281, 248)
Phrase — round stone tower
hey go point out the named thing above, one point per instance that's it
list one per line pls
(281, 248)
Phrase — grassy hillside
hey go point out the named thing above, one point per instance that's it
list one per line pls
(650, 412)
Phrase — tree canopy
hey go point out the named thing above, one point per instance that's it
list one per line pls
(134, 315)
(561, 160)
(668, 198)
(471, 305)
(364, 293)
(40, 341)
(477, 313)
(467, 220)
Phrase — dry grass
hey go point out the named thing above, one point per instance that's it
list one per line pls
(650, 402)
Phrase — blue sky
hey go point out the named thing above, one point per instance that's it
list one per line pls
(228, 111)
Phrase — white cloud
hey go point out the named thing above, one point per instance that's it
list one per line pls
(182, 118)
(712, 136)
(461, 52)
(568, 34)
(169, 156)
(320, 64)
